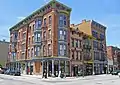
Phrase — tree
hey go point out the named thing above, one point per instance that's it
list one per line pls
(0, 66)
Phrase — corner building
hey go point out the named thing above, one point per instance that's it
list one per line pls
(40, 42)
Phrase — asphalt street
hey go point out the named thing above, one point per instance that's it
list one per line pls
(30, 80)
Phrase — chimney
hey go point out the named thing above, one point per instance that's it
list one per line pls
(83, 21)
(72, 25)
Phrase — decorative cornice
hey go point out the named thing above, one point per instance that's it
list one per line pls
(51, 5)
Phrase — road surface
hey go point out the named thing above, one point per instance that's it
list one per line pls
(36, 80)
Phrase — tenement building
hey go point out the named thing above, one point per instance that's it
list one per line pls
(98, 32)
(46, 42)
(113, 56)
(40, 42)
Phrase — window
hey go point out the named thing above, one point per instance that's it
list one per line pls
(61, 35)
(44, 35)
(60, 32)
(65, 35)
(61, 50)
(77, 43)
(62, 20)
(29, 41)
(32, 39)
(49, 50)
(29, 30)
(38, 38)
(95, 34)
(43, 50)
(23, 56)
(45, 22)
(102, 36)
(32, 53)
(38, 23)
(65, 20)
(76, 55)
(65, 50)
(33, 27)
(37, 51)
(80, 55)
(95, 44)
(15, 37)
(24, 36)
(50, 20)
(49, 35)
(72, 54)
(96, 55)
(80, 42)
(18, 35)
(72, 42)
(28, 53)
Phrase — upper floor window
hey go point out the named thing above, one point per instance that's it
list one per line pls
(28, 52)
(80, 55)
(65, 34)
(32, 53)
(63, 50)
(29, 30)
(62, 20)
(44, 50)
(32, 39)
(65, 20)
(49, 50)
(95, 44)
(44, 35)
(15, 36)
(102, 36)
(95, 34)
(37, 37)
(24, 36)
(72, 54)
(50, 20)
(45, 22)
(38, 23)
(77, 43)
(76, 55)
(33, 27)
(72, 42)
(62, 35)
(80, 43)
(29, 41)
(49, 34)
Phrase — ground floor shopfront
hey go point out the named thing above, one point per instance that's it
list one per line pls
(56, 66)
(51, 66)
(100, 67)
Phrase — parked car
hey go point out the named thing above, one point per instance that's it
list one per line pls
(3, 70)
(15, 73)
(7, 72)
(115, 72)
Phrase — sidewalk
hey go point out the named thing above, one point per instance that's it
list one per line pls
(95, 77)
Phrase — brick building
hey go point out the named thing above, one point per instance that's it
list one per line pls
(98, 44)
(45, 41)
(113, 55)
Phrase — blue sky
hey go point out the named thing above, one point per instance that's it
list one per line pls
(105, 12)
